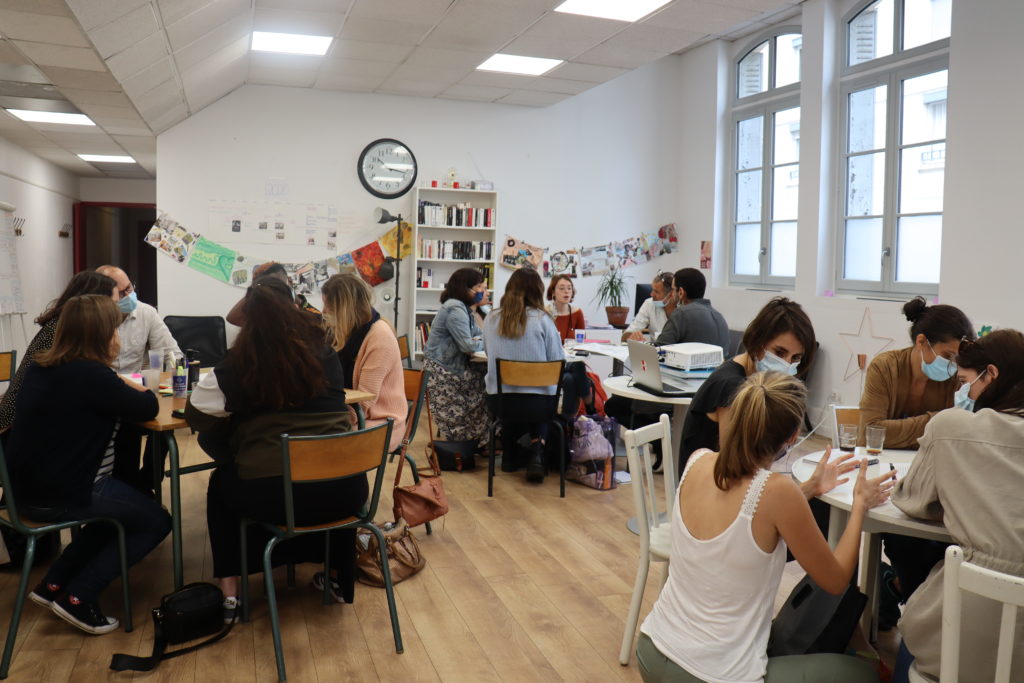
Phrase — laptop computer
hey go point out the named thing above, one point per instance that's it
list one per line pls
(644, 361)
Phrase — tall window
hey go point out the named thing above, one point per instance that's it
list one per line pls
(894, 110)
(766, 170)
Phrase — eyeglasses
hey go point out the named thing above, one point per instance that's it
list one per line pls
(966, 345)
(127, 290)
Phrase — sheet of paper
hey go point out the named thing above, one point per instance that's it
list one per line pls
(611, 350)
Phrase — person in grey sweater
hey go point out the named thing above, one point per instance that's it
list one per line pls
(522, 330)
(694, 320)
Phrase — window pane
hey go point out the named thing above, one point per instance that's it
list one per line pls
(787, 136)
(925, 21)
(866, 119)
(749, 142)
(922, 171)
(787, 59)
(863, 249)
(785, 192)
(918, 247)
(748, 249)
(753, 71)
(783, 249)
(748, 196)
(870, 33)
(924, 108)
(865, 177)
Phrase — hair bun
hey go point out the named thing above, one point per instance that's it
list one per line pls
(915, 308)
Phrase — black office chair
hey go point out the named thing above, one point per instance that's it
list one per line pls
(735, 344)
(202, 333)
(643, 293)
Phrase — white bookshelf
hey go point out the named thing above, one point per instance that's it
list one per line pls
(425, 301)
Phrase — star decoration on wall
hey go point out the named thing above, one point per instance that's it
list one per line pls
(863, 341)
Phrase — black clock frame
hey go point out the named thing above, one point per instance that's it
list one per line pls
(370, 188)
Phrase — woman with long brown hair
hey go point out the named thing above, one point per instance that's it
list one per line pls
(522, 330)
(61, 456)
(279, 377)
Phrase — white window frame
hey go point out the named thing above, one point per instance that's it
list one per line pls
(764, 104)
(891, 71)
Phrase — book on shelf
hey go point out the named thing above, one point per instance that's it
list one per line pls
(420, 338)
(424, 276)
(455, 250)
(488, 270)
(462, 215)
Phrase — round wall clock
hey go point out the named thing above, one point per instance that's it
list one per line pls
(387, 168)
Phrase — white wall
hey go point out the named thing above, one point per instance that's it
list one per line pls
(118, 190)
(597, 167)
(43, 194)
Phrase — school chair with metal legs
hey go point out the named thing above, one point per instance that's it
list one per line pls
(403, 350)
(10, 517)
(309, 459)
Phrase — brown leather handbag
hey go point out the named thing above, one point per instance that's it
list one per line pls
(404, 556)
(423, 501)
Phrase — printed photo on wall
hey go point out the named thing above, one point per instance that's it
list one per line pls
(705, 254)
(566, 262)
(668, 236)
(368, 260)
(517, 253)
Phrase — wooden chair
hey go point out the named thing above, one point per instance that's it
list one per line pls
(10, 517)
(655, 527)
(415, 395)
(308, 459)
(403, 350)
(531, 374)
(845, 415)
(962, 576)
(8, 365)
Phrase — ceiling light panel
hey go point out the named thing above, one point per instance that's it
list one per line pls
(619, 10)
(291, 43)
(517, 64)
(107, 158)
(51, 117)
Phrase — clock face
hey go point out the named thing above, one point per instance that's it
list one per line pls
(387, 168)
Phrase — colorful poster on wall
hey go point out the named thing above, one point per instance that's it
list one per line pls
(516, 253)
(346, 264)
(668, 236)
(705, 254)
(565, 262)
(171, 239)
(389, 241)
(212, 259)
(241, 270)
(596, 261)
(368, 260)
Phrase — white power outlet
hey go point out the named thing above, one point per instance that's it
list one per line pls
(834, 398)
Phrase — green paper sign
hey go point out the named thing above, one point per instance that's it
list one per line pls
(212, 259)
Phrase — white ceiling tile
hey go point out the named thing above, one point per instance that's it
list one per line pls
(609, 53)
(367, 51)
(93, 13)
(172, 11)
(81, 79)
(269, 75)
(447, 59)
(498, 80)
(217, 75)
(700, 17)
(110, 99)
(42, 28)
(273, 60)
(481, 25)
(9, 55)
(430, 73)
(165, 95)
(295, 21)
(664, 40)
(137, 144)
(55, 8)
(355, 68)
(152, 76)
(168, 118)
(208, 92)
(397, 86)
(124, 32)
(421, 11)
(234, 30)
(44, 54)
(67, 160)
(532, 98)
(380, 31)
(562, 36)
(592, 73)
(757, 5)
(101, 111)
(68, 139)
(560, 85)
(479, 93)
(132, 127)
(204, 20)
(139, 56)
(305, 5)
(360, 81)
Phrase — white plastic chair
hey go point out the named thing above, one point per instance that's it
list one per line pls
(966, 576)
(655, 536)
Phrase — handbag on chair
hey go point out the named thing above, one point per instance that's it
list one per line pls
(425, 500)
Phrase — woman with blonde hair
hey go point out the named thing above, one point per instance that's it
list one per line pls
(368, 351)
(731, 525)
(522, 330)
(64, 473)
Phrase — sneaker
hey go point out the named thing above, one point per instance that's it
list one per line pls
(318, 583)
(85, 615)
(44, 594)
(232, 608)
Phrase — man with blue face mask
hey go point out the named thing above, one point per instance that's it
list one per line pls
(143, 328)
(654, 311)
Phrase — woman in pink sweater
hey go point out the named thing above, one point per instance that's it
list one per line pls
(368, 350)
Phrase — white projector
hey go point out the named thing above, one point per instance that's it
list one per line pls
(692, 355)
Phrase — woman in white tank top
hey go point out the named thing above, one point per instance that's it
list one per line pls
(731, 525)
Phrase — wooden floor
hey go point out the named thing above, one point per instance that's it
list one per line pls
(523, 586)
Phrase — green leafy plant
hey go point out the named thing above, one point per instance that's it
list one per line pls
(611, 291)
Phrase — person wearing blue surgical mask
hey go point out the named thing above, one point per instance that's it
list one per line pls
(654, 311)
(142, 329)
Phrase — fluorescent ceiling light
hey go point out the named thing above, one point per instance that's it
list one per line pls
(292, 43)
(108, 158)
(52, 117)
(620, 10)
(515, 64)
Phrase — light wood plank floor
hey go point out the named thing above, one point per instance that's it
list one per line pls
(520, 587)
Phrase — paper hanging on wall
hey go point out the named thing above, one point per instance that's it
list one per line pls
(368, 260)
(667, 234)
(705, 254)
(210, 258)
(241, 270)
(171, 239)
(597, 261)
(516, 253)
(565, 262)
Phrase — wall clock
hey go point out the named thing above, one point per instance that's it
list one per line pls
(387, 168)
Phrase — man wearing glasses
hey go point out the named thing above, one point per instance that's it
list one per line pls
(142, 329)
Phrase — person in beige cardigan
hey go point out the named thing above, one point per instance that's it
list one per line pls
(969, 474)
(368, 350)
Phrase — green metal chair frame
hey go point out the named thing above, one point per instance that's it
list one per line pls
(10, 517)
(8, 365)
(555, 420)
(344, 463)
(416, 400)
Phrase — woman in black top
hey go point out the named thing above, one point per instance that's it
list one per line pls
(61, 454)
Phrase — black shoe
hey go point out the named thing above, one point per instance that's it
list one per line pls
(85, 615)
(232, 608)
(44, 594)
(318, 583)
(535, 469)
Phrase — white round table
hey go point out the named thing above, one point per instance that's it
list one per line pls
(885, 518)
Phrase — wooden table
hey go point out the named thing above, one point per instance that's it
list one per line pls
(165, 424)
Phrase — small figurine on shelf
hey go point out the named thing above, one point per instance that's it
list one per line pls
(451, 179)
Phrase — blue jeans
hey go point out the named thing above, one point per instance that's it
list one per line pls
(901, 667)
(91, 561)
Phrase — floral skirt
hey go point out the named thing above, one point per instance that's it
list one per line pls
(458, 402)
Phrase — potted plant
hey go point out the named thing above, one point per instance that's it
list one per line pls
(611, 292)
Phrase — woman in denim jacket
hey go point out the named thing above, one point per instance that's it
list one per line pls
(456, 385)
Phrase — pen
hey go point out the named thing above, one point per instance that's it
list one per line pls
(892, 468)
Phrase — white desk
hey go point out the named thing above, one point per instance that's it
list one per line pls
(886, 518)
(619, 386)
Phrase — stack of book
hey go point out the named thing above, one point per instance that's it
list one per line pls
(455, 249)
(461, 215)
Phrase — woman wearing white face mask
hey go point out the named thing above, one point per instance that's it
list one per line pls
(968, 474)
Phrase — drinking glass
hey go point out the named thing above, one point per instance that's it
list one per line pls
(847, 438)
(875, 437)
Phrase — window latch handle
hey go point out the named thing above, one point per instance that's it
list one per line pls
(886, 252)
